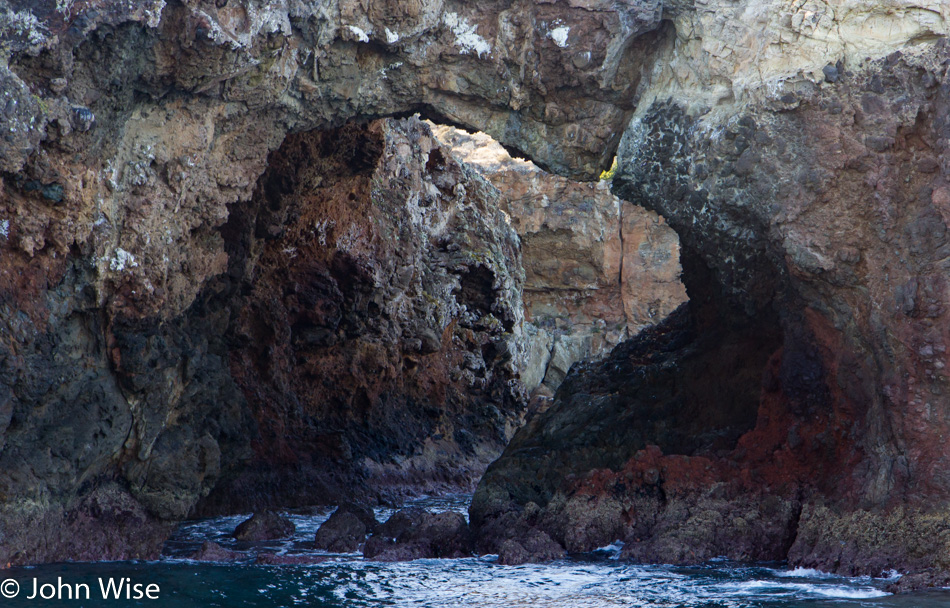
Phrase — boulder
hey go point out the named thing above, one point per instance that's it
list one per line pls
(266, 525)
(535, 547)
(345, 531)
(213, 552)
(416, 534)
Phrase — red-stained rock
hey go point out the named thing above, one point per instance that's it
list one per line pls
(798, 410)
(135, 135)
(386, 285)
(165, 319)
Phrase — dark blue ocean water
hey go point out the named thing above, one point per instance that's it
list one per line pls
(597, 580)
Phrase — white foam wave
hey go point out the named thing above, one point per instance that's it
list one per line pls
(849, 593)
(480, 582)
(803, 573)
(780, 588)
(613, 549)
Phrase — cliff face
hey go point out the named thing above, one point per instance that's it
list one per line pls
(168, 167)
(797, 411)
(597, 269)
(169, 325)
(361, 340)
(377, 332)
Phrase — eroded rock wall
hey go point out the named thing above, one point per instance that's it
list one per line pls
(797, 148)
(597, 269)
(378, 327)
(806, 181)
(134, 132)
(362, 341)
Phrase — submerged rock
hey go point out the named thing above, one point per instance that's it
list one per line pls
(273, 559)
(213, 552)
(413, 533)
(265, 526)
(536, 546)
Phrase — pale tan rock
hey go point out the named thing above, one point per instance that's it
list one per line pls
(597, 269)
(650, 283)
(725, 55)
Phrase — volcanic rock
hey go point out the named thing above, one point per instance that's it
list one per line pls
(401, 522)
(213, 552)
(345, 530)
(215, 296)
(534, 547)
(794, 409)
(140, 245)
(265, 526)
(417, 534)
(597, 269)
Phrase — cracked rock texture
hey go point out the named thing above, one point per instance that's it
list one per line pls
(597, 269)
(797, 408)
(378, 321)
(151, 351)
(361, 340)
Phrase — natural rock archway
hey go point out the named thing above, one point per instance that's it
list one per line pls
(806, 184)
(799, 156)
(143, 255)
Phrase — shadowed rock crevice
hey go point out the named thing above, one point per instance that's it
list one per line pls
(138, 135)
(368, 329)
(597, 268)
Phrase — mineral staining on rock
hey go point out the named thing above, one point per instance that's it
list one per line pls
(134, 133)
(597, 269)
(805, 180)
(822, 200)
(797, 148)
(362, 338)
(385, 285)
(725, 54)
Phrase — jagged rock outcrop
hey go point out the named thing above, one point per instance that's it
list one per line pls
(364, 335)
(414, 533)
(385, 285)
(806, 180)
(135, 133)
(345, 530)
(213, 552)
(799, 150)
(597, 269)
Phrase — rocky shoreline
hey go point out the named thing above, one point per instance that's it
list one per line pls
(238, 271)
